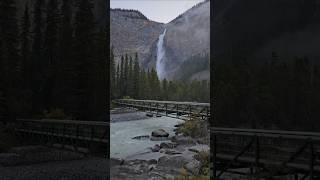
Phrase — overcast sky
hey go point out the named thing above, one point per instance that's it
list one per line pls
(156, 10)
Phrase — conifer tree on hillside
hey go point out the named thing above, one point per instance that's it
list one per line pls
(112, 75)
(118, 82)
(136, 76)
(25, 46)
(126, 75)
(121, 79)
(10, 60)
(83, 54)
(66, 72)
(51, 55)
(164, 88)
(37, 62)
(130, 78)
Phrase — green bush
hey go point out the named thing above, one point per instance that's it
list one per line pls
(126, 97)
(194, 127)
(184, 176)
(204, 158)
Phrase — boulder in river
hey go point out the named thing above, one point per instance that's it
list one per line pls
(143, 137)
(155, 148)
(158, 138)
(183, 140)
(159, 133)
(149, 114)
(152, 161)
(172, 161)
(168, 145)
(171, 152)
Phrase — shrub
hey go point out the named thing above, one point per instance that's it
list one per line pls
(126, 97)
(204, 158)
(184, 176)
(194, 127)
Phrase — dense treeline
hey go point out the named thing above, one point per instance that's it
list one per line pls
(278, 94)
(193, 65)
(130, 81)
(55, 59)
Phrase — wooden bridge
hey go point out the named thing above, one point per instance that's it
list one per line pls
(181, 110)
(265, 153)
(260, 154)
(75, 135)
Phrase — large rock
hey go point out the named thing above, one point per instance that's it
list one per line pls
(155, 148)
(143, 137)
(172, 161)
(193, 167)
(159, 133)
(168, 145)
(158, 138)
(183, 140)
(171, 152)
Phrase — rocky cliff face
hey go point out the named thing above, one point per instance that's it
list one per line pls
(188, 35)
(131, 32)
(255, 29)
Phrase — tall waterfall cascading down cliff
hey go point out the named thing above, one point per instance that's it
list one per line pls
(161, 56)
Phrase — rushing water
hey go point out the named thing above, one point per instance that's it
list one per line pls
(160, 56)
(121, 134)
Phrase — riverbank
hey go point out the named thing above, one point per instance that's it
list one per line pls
(127, 116)
(178, 156)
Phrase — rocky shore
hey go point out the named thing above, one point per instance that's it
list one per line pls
(180, 156)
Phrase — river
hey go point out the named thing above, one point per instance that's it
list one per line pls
(121, 133)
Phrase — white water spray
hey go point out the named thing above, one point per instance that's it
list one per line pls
(160, 56)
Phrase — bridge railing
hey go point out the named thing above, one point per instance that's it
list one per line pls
(181, 110)
(71, 132)
(272, 151)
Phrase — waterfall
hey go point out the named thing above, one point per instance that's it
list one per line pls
(160, 56)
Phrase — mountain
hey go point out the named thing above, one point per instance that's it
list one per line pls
(254, 29)
(187, 37)
(131, 32)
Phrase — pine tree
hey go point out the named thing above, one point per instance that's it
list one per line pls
(125, 76)
(84, 36)
(112, 74)
(50, 54)
(66, 80)
(37, 62)
(118, 81)
(10, 60)
(121, 79)
(165, 89)
(136, 76)
(25, 60)
(130, 78)
(25, 45)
